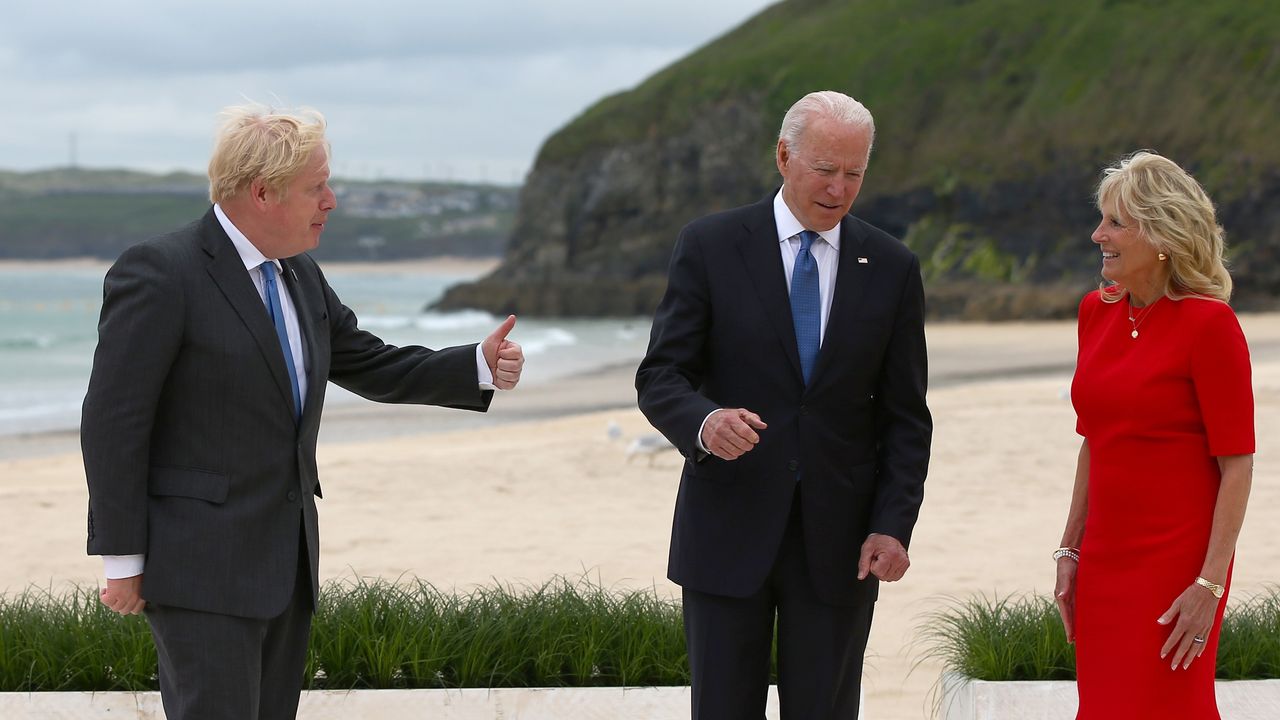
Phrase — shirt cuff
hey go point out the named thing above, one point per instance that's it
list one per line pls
(118, 567)
(483, 374)
(698, 440)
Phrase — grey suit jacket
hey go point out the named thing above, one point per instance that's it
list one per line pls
(191, 451)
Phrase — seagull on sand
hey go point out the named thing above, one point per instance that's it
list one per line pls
(614, 431)
(650, 445)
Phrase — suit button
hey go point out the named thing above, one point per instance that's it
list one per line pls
(793, 465)
(293, 496)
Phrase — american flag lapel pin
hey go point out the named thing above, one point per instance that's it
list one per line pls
(862, 261)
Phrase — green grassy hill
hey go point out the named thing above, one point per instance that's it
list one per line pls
(977, 90)
(73, 212)
(993, 118)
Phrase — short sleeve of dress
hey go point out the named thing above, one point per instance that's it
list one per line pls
(1223, 381)
(1087, 304)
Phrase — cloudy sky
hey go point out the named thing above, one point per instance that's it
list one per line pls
(462, 90)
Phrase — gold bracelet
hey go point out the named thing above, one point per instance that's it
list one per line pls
(1212, 587)
(1070, 552)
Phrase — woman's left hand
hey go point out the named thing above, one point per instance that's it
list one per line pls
(1194, 610)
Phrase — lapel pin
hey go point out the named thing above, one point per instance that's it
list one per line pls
(862, 260)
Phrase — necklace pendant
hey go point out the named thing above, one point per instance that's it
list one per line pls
(1134, 334)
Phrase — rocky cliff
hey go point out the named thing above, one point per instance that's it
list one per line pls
(594, 231)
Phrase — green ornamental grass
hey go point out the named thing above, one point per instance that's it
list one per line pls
(379, 634)
(1021, 638)
(1249, 647)
(1013, 638)
(72, 642)
(375, 634)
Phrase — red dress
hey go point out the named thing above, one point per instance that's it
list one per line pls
(1156, 410)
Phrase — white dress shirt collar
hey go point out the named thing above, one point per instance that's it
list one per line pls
(789, 226)
(250, 255)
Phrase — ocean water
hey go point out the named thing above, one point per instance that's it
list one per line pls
(49, 315)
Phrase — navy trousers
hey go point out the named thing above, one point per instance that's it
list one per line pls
(820, 646)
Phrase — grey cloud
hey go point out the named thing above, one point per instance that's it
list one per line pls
(410, 89)
(160, 38)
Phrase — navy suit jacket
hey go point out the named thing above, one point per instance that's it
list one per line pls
(857, 437)
(191, 450)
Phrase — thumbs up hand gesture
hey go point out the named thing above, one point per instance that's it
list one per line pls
(504, 357)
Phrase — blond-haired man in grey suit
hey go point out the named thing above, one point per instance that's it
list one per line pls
(199, 428)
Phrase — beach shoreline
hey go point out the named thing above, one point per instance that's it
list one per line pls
(960, 353)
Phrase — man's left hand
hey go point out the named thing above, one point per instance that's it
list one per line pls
(504, 357)
(884, 557)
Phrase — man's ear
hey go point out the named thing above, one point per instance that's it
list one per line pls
(260, 194)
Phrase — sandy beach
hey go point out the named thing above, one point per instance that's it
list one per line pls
(536, 488)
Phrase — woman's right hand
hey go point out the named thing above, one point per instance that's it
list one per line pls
(1064, 593)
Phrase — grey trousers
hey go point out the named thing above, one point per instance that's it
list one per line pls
(221, 667)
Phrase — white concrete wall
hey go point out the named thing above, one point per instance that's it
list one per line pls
(964, 699)
(501, 704)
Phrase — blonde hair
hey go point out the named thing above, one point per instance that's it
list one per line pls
(1174, 215)
(829, 104)
(255, 141)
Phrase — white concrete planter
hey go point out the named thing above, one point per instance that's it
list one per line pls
(967, 699)
(668, 703)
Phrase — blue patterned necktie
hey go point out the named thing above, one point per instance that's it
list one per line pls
(282, 334)
(806, 304)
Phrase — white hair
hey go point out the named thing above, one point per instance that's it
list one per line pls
(828, 104)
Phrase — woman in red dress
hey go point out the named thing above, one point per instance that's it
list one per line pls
(1164, 401)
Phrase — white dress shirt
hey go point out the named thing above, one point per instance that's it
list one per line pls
(826, 252)
(253, 258)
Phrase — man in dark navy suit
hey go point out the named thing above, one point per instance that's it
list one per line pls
(787, 363)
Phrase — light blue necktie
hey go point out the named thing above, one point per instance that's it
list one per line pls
(282, 334)
(806, 304)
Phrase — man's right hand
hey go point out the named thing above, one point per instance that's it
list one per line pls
(124, 595)
(731, 432)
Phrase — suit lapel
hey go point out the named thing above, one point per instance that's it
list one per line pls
(229, 274)
(852, 276)
(760, 253)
